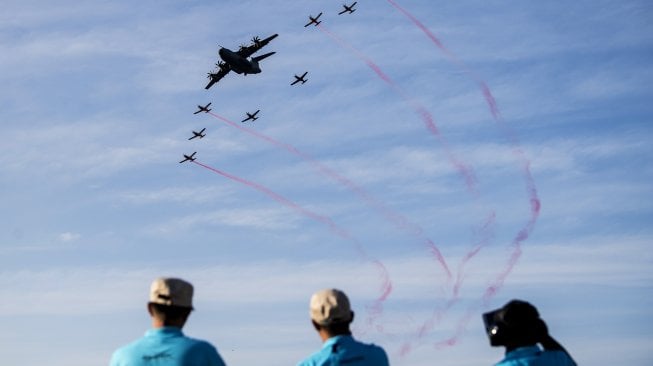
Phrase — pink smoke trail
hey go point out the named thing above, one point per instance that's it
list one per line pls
(489, 98)
(535, 204)
(426, 117)
(386, 285)
(494, 110)
(397, 219)
(486, 236)
(465, 171)
(496, 285)
(430, 323)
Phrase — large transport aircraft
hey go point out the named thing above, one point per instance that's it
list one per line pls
(240, 61)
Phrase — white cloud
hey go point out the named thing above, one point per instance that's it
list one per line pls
(254, 218)
(588, 261)
(69, 237)
(190, 195)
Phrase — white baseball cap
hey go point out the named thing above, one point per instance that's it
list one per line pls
(171, 292)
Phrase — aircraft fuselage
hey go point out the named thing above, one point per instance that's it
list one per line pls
(239, 64)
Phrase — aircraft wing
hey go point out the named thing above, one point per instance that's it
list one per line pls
(217, 76)
(255, 46)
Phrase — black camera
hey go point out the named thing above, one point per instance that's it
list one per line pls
(517, 321)
(493, 327)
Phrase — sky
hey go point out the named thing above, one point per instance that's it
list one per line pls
(442, 159)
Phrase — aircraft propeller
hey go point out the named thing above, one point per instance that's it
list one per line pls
(256, 40)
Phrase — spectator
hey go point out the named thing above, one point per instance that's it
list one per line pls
(517, 326)
(171, 302)
(331, 316)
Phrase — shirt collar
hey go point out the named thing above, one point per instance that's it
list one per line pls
(164, 332)
(523, 352)
(337, 339)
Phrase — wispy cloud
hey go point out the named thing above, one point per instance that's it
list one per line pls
(590, 260)
(69, 237)
(254, 218)
(190, 195)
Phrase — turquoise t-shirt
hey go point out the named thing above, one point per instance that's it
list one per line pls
(166, 346)
(534, 356)
(345, 350)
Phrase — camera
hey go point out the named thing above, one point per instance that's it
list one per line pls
(493, 327)
(516, 322)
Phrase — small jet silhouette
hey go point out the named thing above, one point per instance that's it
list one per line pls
(190, 157)
(348, 9)
(314, 20)
(299, 78)
(204, 109)
(198, 134)
(251, 116)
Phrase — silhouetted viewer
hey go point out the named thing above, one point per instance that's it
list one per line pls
(331, 315)
(171, 301)
(518, 327)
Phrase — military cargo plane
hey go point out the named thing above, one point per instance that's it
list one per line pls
(240, 61)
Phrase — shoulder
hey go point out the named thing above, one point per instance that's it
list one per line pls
(557, 358)
(371, 347)
(199, 344)
(124, 354)
(129, 348)
(541, 358)
(372, 353)
(316, 358)
(203, 351)
(378, 353)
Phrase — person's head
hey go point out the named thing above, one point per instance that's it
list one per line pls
(171, 301)
(516, 324)
(331, 313)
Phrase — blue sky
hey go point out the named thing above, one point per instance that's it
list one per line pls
(96, 110)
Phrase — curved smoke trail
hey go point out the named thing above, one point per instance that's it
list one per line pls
(400, 221)
(534, 201)
(429, 324)
(465, 171)
(386, 284)
(429, 122)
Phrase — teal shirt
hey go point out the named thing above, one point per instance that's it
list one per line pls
(534, 356)
(345, 350)
(167, 346)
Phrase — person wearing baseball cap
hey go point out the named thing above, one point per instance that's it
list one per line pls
(331, 316)
(171, 302)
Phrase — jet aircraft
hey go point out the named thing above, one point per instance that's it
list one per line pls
(314, 20)
(190, 157)
(299, 78)
(251, 116)
(348, 9)
(198, 134)
(240, 61)
(204, 109)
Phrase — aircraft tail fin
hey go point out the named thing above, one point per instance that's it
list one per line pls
(259, 58)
